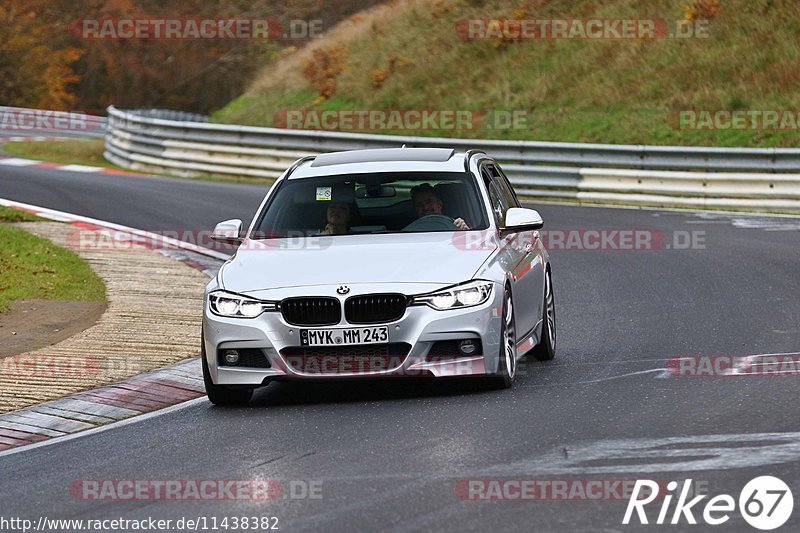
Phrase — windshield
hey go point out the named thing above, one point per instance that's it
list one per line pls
(373, 203)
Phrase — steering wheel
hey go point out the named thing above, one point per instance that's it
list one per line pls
(432, 223)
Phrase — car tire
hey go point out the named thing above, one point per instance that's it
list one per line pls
(546, 349)
(507, 364)
(220, 394)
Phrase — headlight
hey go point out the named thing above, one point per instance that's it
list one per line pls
(466, 295)
(228, 304)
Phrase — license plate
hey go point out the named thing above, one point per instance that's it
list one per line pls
(344, 336)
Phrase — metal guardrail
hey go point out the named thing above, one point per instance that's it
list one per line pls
(170, 114)
(757, 178)
(23, 122)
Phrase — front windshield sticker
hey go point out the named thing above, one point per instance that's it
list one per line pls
(324, 193)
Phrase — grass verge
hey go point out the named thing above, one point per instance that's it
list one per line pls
(66, 152)
(409, 55)
(8, 215)
(32, 267)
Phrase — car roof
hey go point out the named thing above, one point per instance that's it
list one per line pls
(381, 160)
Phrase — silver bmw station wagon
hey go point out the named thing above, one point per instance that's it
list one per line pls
(388, 263)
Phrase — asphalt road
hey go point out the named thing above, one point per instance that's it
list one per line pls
(150, 203)
(391, 455)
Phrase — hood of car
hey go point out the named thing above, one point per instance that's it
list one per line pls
(441, 258)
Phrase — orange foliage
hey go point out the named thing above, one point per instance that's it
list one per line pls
(34, 70)
(701, 10)
(323, 68)
(380, 75)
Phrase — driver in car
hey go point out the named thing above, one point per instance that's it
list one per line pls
(339, 218)
(426, 202)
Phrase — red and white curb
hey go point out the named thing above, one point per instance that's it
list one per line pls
(109, 404)
(37, 138)
(91, 409)
(86, 169)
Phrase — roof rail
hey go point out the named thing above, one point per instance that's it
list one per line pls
(297, 164)
(376, 155)
(468, 155)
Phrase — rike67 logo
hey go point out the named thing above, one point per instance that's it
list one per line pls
(765, 503)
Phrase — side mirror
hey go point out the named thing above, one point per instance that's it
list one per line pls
(228, 232)
(521, 219)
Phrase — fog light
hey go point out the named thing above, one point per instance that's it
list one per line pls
(467, 347)
(232, 357)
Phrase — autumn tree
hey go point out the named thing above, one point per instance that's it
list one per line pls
(36, 64)
(44, 62)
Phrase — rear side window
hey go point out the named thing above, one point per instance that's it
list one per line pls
(497, 196)
(505, 186)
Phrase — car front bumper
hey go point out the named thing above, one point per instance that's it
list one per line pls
(419, 328)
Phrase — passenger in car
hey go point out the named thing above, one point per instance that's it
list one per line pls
(427, 202)
(340, 216)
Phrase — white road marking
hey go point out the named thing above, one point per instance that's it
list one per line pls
(766, 225)
(651, 371)
(18, 162)
(766, 222)
(79, 168)
(665, 454)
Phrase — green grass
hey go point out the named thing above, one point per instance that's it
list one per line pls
(32, 267)
(90, 152)
(15, 215)
(66, 152)
(606, 91)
